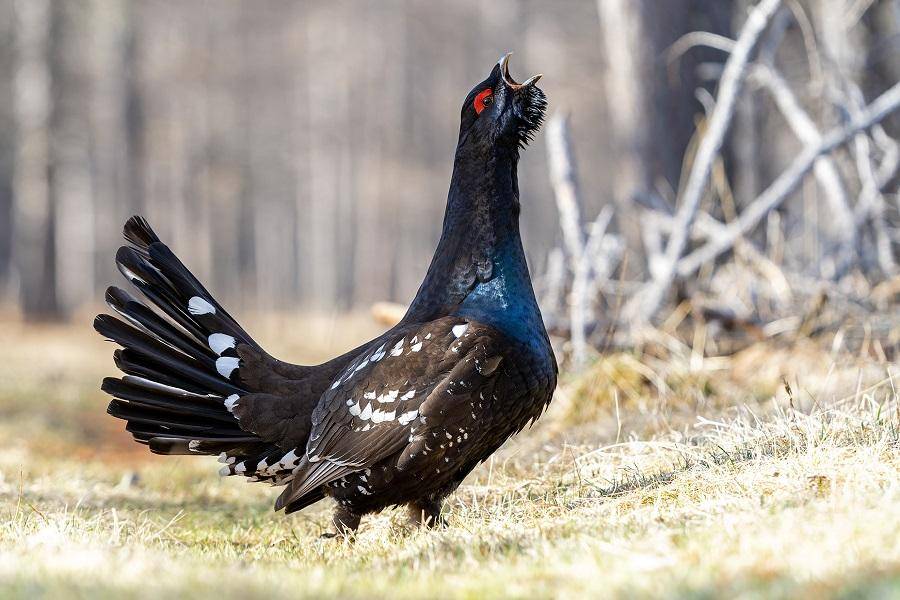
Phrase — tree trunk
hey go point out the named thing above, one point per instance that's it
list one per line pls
(71, 192)
(34, 254)
(650, 112)
(7, 143)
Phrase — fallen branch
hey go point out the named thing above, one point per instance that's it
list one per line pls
(565, 188)
(645, 304)
(788, 181)
(806, 131)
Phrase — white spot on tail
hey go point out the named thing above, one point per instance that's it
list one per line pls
(220, 342)
(226, 365)
(459, 330)
(193, 445)
(231, 402)
(199, 306)
(289, 459)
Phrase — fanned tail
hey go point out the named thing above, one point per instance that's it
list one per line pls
(181, 367)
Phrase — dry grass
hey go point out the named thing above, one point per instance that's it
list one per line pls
(646, 478)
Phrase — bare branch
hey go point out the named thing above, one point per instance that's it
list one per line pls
(805, 129)
(584, 287)
(698, 38)
(565, 188)
(788, 181)
(645, 304)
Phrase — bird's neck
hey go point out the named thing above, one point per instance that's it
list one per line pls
(479, 266)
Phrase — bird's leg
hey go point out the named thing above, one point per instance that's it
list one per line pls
(426, 511)
(345, 522)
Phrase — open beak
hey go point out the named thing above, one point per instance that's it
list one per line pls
(509, 81)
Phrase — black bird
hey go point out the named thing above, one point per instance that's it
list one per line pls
(400, 420)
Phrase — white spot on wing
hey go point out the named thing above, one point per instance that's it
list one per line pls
(407, 417)
(355, 410)
(199, 306)
(388, 397)
(398, 348)
(459, 330)
(220, 342)
(408, 395)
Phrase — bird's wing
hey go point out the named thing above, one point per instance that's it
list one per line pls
(379, 404)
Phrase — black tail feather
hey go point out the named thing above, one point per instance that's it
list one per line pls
(177, 422)
(169, 446)
(138, 231)
(181, 366)
(197, 371)
(123, 303)
(163, 402)
(134, 363)
(203, 308)
(146, 432)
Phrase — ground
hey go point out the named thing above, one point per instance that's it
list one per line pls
(770, 473)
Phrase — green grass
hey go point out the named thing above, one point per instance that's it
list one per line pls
(697, 487)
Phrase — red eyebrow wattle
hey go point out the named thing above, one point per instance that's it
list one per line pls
(479, 100)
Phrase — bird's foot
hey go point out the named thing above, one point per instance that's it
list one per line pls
(345, 523)
(426, 513)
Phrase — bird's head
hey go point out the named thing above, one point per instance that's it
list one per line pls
(501, 113)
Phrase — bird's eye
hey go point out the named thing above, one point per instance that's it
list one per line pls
(484, 99)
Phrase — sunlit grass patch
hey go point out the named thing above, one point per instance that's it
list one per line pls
(688, 485)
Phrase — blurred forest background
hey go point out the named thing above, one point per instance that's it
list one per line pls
(712, 220)
(297, 154)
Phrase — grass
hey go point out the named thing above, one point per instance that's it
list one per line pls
(646, 478)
